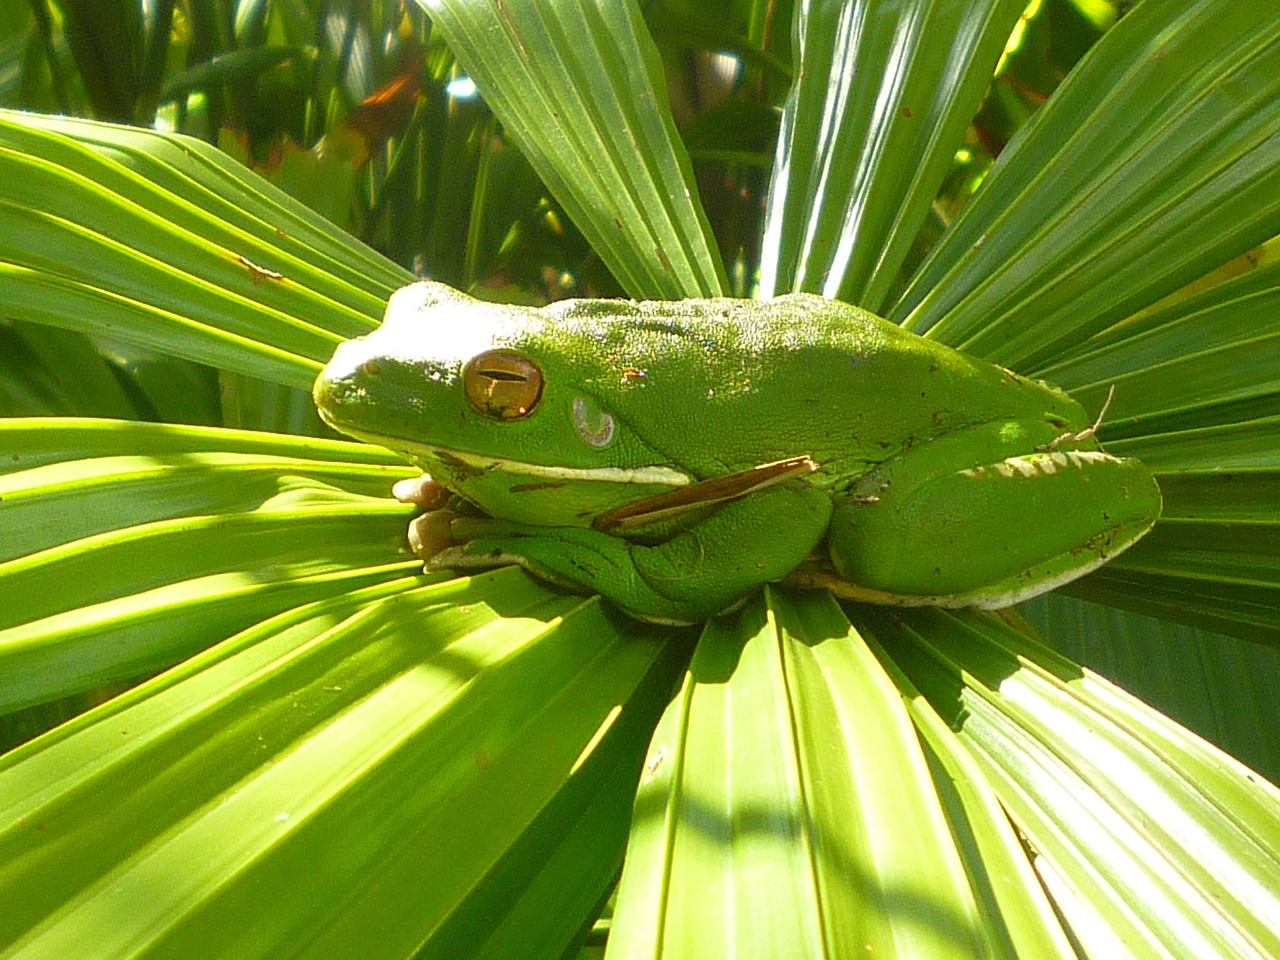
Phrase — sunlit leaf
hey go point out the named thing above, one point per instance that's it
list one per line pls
(1219, 686)
(1143, 834)
(787, 802)
(163, 241)
(475, 726)
(878, 85)
(580, 89)
(1156, 160)
(175, 546)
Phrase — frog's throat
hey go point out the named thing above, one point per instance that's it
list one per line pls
(650, 475)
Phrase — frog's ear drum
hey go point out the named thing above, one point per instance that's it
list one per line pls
(502, 384)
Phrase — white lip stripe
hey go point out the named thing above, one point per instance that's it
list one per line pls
(639, 475)
(645, 475)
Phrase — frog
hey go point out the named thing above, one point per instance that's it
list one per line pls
(675, 456)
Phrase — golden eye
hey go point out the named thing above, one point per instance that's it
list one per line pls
(502, 384)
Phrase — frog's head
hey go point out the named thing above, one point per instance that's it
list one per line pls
(497, 404)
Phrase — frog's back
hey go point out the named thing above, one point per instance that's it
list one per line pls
(723, 384)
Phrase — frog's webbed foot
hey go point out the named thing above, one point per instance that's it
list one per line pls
(422, 491)
(431, 531)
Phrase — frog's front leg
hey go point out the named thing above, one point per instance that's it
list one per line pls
(694, 575)
(964, 521)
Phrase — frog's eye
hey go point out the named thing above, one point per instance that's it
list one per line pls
(502, 384)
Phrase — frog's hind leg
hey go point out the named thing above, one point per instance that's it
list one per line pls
(992, 532)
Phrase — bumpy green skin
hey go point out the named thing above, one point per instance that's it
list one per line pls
(941, 479)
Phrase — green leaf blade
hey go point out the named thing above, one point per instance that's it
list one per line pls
(383, 754)
(869, 132)
(1174, 172)
(581, 91)
(87, 240)
(1121, 804)
(787, 803)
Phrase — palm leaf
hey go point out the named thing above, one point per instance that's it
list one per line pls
(832, 777)
(580, 89)
(873, 88)
(1104, 204)
(167, 243)
(396, 726)
(894, 781)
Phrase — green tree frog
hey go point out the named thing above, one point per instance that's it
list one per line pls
(672, 456)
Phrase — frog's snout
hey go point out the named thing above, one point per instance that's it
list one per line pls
(349, 362)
